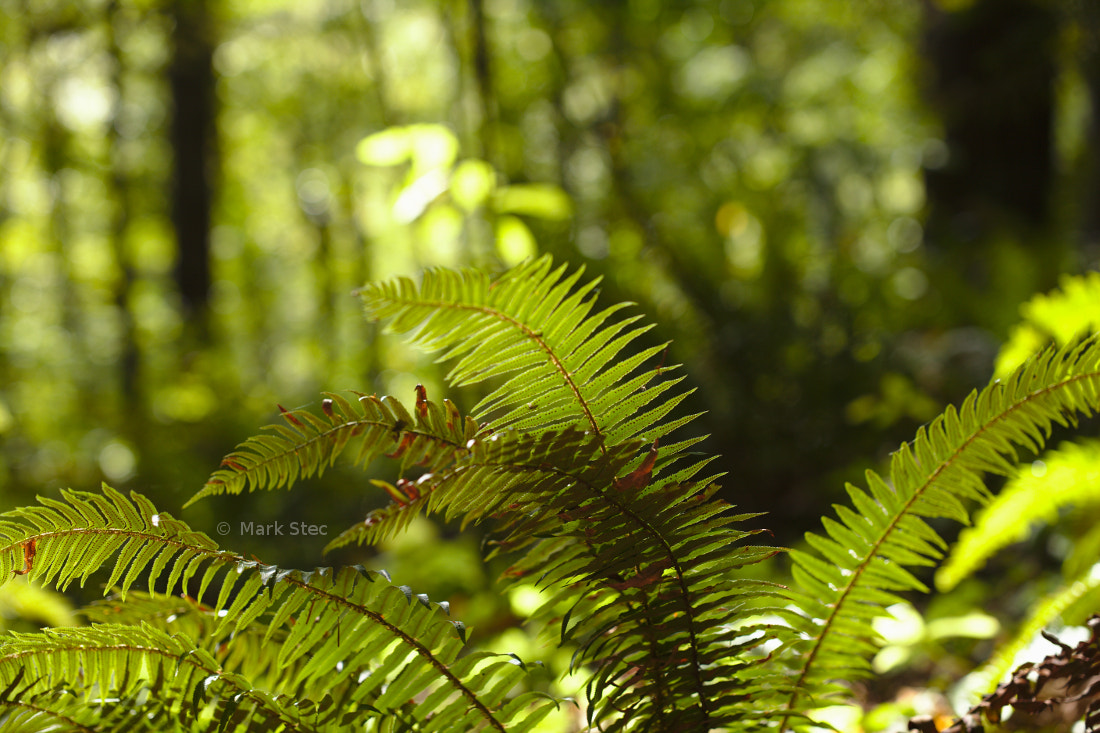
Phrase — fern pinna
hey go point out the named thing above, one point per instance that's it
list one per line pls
(574, 457)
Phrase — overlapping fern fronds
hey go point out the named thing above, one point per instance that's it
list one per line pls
(405, 648)
(504, 475)
(592, 497)
(569, 402)
(859, 563)
(125, 660)
(633, 540)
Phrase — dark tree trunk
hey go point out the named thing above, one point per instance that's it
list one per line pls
(193, 132)
(1089, 19)
(991, 226)
(122, 183)
(992, 82)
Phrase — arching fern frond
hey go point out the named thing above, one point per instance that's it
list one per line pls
(404, 646)
(109, 660)
(658, 554)
(374, 426)
(62, 541)
(665, 554)
(859, 564)
(533, 327)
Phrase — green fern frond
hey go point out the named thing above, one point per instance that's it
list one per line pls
(62, 541)
(25, 710)
(566, 424)
(560, 470)
(663, 550)
(646, 574)
(534, 328)
(404, 646)
(859, 564)
(109, 660)
(307, 444)
(1070, 475)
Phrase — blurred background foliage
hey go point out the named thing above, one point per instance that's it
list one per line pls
(833, 210)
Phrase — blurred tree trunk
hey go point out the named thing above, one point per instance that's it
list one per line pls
(992, 71)
(194, 145)
(122, 184)
(483, 77)
(1089, 19)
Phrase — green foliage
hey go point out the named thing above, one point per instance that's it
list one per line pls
(860, 565)
(1059, 316)
(1040, 493)
(573, 459)
(1066, 477)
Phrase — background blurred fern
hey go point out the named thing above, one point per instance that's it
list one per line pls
(577, 460)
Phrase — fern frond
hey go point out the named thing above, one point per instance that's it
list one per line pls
(308, 444)
(1070, 476)
(62, 541)
(567, 422)
(25, 710)
(660, 548)
(561, 365)
(665, 554)
(859, 564)
(109, 660)
(560, 470)
(661, 552)
(404, 647)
